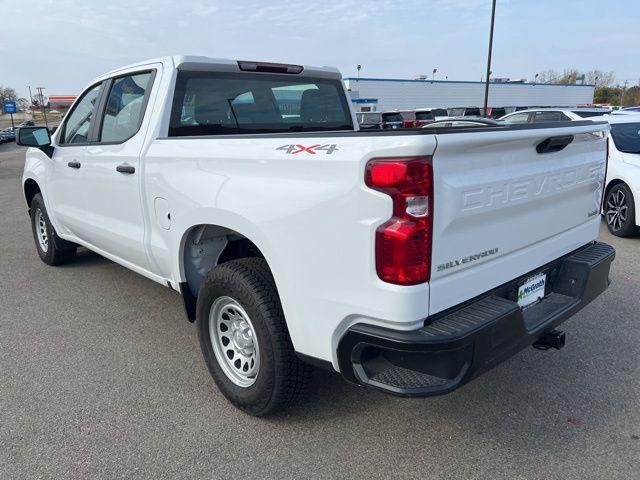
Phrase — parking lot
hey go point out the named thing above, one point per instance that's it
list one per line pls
(101, 375)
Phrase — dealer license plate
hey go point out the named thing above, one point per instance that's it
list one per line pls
(532, 290)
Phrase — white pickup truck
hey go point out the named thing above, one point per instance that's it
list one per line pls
(409, 260)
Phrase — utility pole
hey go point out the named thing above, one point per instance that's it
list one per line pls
(44, 112)
(31, 104)
(486, 85)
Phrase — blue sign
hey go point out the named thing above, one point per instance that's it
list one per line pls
(9, 107)
(364, 100)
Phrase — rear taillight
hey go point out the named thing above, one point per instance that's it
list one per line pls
(408, 124)
(403, 243)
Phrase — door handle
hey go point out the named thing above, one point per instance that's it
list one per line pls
(124, 168)
(73, 164)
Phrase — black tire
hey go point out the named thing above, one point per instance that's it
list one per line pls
(282, 376)
(620, 211)
(58, 251)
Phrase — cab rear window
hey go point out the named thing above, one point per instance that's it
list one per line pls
(210, 103)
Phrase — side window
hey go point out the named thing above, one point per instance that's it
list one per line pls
(542, 117)
(124, 108)
(76, 127)
(518, 118)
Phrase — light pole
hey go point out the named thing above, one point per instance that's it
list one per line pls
(535, 79)
(31, 104)
(358, 68)
(486, 85)
(433, 77)
(44, 112)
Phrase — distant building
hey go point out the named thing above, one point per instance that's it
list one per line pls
(381, 94)
(61, 103)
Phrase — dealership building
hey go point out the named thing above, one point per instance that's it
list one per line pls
(382, 94)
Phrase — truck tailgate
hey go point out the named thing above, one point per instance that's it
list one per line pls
(504, 206)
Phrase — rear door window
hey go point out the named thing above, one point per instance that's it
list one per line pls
(626, 137)
(208, 103)
(125, 107)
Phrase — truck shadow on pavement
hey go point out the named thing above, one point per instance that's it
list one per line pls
(86, 258)
(532, 403)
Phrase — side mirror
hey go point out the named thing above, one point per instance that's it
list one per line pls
(33, 137)
(38, 137)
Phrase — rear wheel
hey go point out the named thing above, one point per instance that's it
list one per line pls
(52, 249)
(244, 338)
(619, 211)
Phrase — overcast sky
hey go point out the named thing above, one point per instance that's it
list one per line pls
(63, 44)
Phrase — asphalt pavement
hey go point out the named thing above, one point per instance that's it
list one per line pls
(101, 376)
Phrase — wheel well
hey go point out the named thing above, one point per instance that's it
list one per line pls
(204, 247)
(31, 188)
(612, 184)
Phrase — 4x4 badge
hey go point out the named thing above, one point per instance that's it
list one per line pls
(313, 149)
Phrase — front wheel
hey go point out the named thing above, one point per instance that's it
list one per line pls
(244, 338)
(52, 249)
(619, 211)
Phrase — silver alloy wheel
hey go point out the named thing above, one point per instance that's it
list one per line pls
(617, 209)
(234, 341)
(41, 231)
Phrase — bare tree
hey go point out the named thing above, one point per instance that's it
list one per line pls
(569, 76)
(572, 75)
(548, 76)
(22, 104)
(8, 93)
(599, 78)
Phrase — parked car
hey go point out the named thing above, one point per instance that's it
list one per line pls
(625, 112)
(492, 112)
(463, 122)
(544, 115)
(369, 120)
(296, 240)
(26, 123)
(623, 175)
(398, 119)
(496, 112)
(465, 112)
(631, 109)
(427, 115)
(7, 135)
